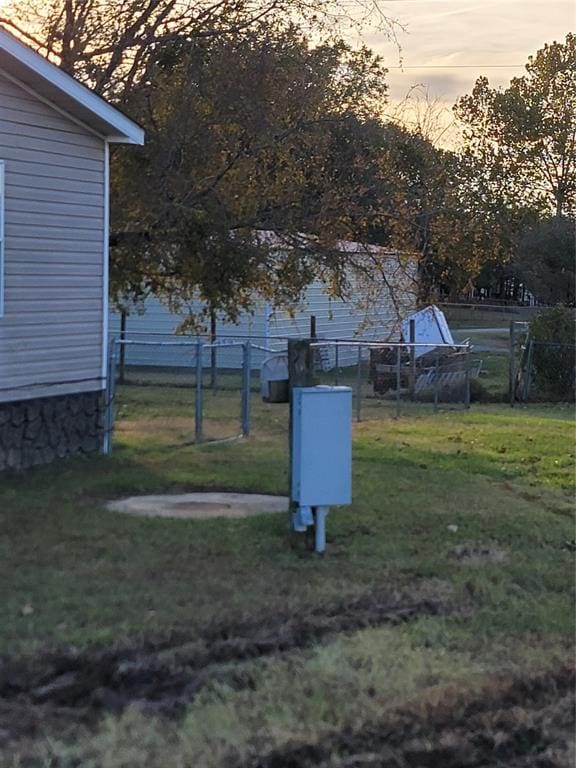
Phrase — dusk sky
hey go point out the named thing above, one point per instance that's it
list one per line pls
(449, 43)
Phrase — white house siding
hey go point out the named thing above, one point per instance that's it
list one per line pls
(157, 324)
(335, 319)
(51, 330)
(338, 319)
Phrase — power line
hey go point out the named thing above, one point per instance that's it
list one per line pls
(458, 66)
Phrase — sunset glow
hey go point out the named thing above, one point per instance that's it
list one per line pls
(443, 46)
(449, 43)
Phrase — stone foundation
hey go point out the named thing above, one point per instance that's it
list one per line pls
(41, 430)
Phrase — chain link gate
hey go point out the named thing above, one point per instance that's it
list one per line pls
(190, 368)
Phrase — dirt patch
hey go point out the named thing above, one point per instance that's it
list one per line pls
(200, 506)
(69, 688)
(477, 554)
(524, 722)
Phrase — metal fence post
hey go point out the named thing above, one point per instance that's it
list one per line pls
(512, 363)
(337, 363)
(246, 377)
(528, 373)
(398, 379)
(412, 359)
(436, 376)
(359, 385)
(110, 399)
(198, 404)
(122, 361)
(213, 352)
(467, 379)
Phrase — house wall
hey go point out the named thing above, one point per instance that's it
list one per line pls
(51, 332)
(369, 315)
(157, 323)
(366, 317)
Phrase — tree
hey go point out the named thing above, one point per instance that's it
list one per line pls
(111, 45)
(222, 157)
(425, 206)
(521, 142)
(552, 333)
(223, 160)
(545, 260)
(518, 162)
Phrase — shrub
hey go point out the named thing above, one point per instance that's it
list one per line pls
(479, 393)
(553, 359)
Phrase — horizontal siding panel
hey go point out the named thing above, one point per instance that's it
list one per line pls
(55, 259)
(51, 389)
(22, 307)
(158, 319)
(52, 205)
(46, 366)
(52, 268)
(33, 375)
(29, 183)
(36, 135)
(52, 245)
(48, 152)
(65, 165)
(16, 98)
(57, 329)
(78, 235)
(17, 296)
(51, 324)
(50, 317)
(73, 285)
(31, 220)
(20, 106)
(27, 197)
(13, 110)
(67, 349)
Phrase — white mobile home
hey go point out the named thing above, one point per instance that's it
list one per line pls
(373, 311)
(54, 143)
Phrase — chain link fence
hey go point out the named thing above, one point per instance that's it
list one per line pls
(540, 371)
(191, 389)
(516, 367)
(198, 390)
(391, 379)
(194, 390)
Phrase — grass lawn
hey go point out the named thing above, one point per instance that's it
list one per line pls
(464, 517)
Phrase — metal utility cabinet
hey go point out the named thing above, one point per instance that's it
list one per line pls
(321, 455)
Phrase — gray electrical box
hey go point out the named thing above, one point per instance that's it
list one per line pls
(321, 446)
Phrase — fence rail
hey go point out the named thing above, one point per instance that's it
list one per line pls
(233, 365)
(394, 373)
(217, 382)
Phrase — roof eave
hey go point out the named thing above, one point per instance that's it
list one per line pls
(115, 126)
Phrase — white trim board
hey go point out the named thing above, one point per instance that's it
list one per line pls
(33, 391)
(2, 234)
(106, 265)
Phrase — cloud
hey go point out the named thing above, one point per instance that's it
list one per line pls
(442, 85)
(495, 32)
(450, 43)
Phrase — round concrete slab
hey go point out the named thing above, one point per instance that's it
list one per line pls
(200, 506)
